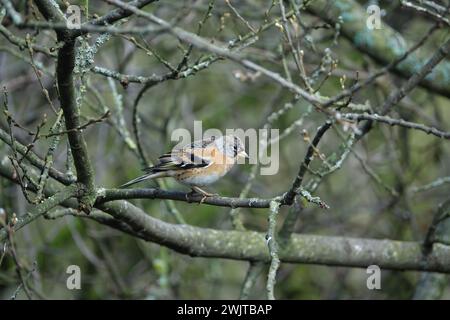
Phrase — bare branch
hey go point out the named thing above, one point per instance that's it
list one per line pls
(397, 122)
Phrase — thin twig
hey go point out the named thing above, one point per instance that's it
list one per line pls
(397, 122)
(273, 249)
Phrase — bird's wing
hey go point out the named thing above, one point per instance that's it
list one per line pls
(201, 144)
(196, 155)
(188, 158)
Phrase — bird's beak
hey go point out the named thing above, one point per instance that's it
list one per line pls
(243, 154)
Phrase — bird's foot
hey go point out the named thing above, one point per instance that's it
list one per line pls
(205, 194)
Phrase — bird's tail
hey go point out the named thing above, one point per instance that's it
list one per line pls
(150, 175)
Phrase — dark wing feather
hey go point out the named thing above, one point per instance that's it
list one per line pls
(178, 160)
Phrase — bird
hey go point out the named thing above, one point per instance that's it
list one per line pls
(198, 164)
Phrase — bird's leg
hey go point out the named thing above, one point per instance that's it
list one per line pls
(204, 193)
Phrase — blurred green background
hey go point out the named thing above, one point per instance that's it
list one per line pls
(116, 265)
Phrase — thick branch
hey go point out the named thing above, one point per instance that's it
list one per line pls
(251, 246)
(66, 86)
(432, 285)
(51, 13)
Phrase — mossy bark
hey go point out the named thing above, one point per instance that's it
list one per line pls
(251, 246)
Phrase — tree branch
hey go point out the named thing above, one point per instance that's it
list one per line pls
(384, 45)
(290, 195)
(114, 16)
(107, 195)
(66, 86)
(34, 159)
(397, 122)
(41, 208)
(413, 81)
(251, 246)
(310, 249)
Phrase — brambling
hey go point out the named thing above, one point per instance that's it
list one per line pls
(201, 163)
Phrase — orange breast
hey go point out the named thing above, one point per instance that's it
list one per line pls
(203, 176)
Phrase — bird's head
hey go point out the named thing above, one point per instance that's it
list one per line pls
(231, 146)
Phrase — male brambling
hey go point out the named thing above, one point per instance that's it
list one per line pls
(199, 164)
